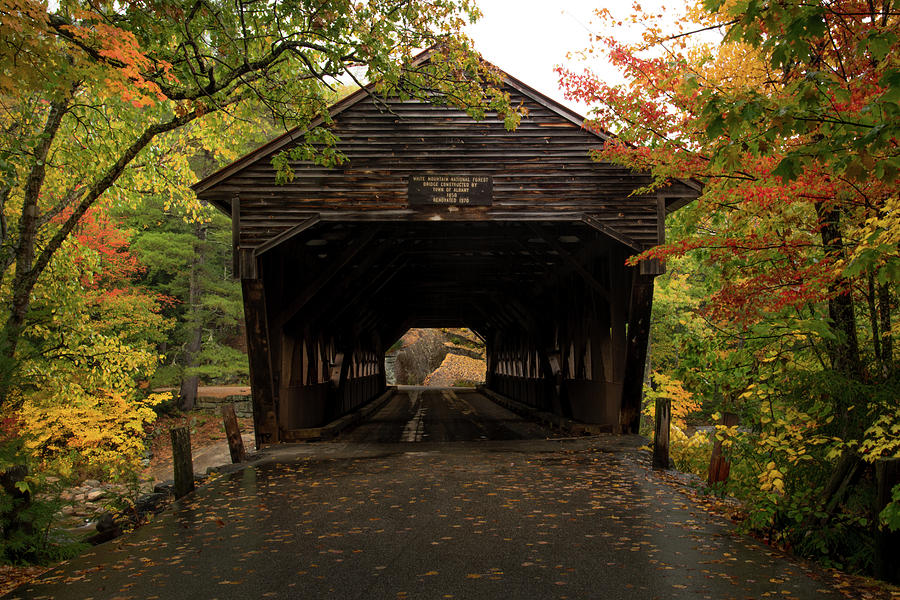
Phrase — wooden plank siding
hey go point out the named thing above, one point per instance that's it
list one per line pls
(541, 170)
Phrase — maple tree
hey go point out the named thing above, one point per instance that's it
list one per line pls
(781, 299)
(90, 340)
(93, 95)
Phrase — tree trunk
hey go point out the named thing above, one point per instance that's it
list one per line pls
(845, 350)
(873, 318)
(190, 381)
(887, 342)
(844, 476)
(23, 256)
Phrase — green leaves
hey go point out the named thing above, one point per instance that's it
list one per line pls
(890, 515)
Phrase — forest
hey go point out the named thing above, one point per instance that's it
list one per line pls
(779, 304)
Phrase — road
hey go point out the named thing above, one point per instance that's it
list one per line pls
(483, 505)
(421, 414)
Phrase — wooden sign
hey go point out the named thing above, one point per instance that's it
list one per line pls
(434, 189)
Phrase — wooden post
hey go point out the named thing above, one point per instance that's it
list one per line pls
(262, 386)
(661, 433)
(639, 313)
(182, 462)
(233, 433)
(887, 558)
(719, 466)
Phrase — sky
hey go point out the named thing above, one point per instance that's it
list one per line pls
(528, 38)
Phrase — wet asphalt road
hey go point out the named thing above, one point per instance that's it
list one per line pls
(504, 513)
(444, 415)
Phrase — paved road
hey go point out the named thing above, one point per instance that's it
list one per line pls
(521, 517)
(420, 414)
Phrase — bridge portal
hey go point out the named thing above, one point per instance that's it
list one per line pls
(439, 220)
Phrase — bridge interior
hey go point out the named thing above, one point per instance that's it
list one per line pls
(531, 254)
(552, 300)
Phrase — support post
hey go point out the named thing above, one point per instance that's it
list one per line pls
(639, 313)
(233, 433)
(719, 466)
(265, 419)
(661, 433)
(182, 462)
(887, 559)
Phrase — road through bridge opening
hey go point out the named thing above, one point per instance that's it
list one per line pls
(440, 220)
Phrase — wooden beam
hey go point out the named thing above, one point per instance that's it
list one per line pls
(656, 266)
(609, 231)
(379, 279)
(311, 290)
(286, 235)
(265, 419)
(587, 275)
(235, 236)
(636, 349)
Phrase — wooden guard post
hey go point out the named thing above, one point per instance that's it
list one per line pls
(719, 466)
(887, 543)
(661, 433)
(182, 462)
(233, 433)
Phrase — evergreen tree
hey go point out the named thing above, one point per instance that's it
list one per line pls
(189, 262)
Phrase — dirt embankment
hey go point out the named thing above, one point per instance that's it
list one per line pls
(438, 357)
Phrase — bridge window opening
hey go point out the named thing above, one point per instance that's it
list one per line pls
(436, 357)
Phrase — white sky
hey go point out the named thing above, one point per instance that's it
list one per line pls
(528, 38)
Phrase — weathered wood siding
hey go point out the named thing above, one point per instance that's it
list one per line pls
(543, 169)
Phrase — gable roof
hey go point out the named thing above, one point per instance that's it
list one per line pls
(363, 93)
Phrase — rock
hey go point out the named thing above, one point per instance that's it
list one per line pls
(68, 510)
(107, 529)
(52, 479)
(67, 496)
(164, 487)
(106, 523)
(90, 483)
(94, 495)
(150, 502)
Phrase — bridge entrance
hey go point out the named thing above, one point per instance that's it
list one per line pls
(438, 220)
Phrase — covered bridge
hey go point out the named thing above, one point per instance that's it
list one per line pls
(439, 220)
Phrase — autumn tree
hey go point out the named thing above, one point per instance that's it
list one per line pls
(789, 117)
(92, 95)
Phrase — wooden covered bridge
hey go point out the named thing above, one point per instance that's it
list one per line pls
(439, 220)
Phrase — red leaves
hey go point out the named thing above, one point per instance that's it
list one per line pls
(122, 51)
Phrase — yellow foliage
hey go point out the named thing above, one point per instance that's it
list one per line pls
(771, 479)
(882, 439)
(103, 432)
(682, 401)
(83, 408)
(690, 453)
